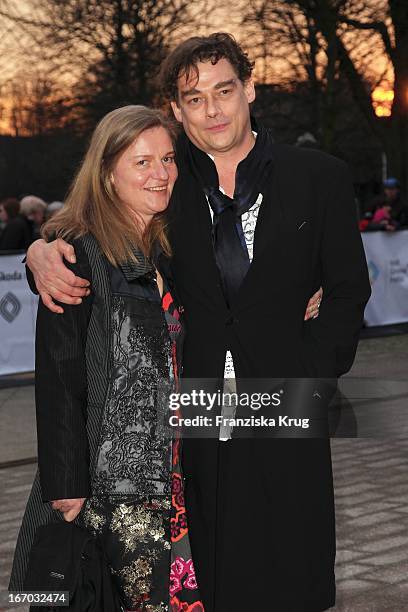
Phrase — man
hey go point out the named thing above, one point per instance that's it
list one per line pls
(393, 197)
(261, 511)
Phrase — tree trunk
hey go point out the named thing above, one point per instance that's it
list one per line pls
(398, 141)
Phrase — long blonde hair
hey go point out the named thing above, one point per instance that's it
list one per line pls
(92, 204)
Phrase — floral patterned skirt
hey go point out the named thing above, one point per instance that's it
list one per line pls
(184, 594)
(147, 547)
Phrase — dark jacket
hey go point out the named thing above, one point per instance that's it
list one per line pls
(261, 512)
(112, 350)
(137, 348)
(399, 212)
(18, 234)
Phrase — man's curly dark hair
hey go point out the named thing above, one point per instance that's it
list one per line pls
(184, 58)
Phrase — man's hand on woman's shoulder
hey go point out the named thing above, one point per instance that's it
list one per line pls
(54, 281)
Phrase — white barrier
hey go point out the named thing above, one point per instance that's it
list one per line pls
(18, 308)
(387, 259)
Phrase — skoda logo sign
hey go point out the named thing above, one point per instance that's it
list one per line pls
(9, 307)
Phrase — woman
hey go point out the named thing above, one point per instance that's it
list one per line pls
(104, 459)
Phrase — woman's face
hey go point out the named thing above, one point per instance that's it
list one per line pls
(145, 173)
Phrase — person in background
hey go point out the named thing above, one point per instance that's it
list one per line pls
(9, 208)
(399, 207)
(379, 219)
(382, 216)
(34, 210)
(53, 208)
(21, 231)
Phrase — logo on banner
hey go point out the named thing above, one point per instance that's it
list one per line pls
(398, 271)
(10, 307)
(373, 272)
(10, 276)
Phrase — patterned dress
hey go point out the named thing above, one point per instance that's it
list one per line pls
(103, 371)
(145, 538)
(184, 594)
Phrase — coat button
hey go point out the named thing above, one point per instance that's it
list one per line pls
(231, 320)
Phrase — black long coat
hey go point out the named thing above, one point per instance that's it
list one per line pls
(261, 512)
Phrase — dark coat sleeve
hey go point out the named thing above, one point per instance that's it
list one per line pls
(332, 338)
(30, 275)
(61, 395)
(30, 278)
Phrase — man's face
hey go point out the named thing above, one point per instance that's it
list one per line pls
(391, 193)
(214, 109)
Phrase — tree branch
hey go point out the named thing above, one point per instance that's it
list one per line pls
(378, 26)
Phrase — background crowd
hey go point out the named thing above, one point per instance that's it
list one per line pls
(388, 211)
(21, 221)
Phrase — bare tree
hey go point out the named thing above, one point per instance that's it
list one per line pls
(362, 32)
(35, 104)
(105, 52)
(388, 25)
(292, 52)
(323, 42)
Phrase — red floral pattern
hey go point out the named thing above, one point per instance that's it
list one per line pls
(184, 591)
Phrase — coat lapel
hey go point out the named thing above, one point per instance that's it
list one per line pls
(190, 233)
(267, 238)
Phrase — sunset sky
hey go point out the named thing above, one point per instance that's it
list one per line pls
(15, 54)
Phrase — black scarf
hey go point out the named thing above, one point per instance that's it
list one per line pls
(231, 253)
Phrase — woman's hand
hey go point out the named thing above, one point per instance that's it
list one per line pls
(52, 278)
(70, 508)
(312, 310)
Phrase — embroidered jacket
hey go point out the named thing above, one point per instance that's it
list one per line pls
(103, 374)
